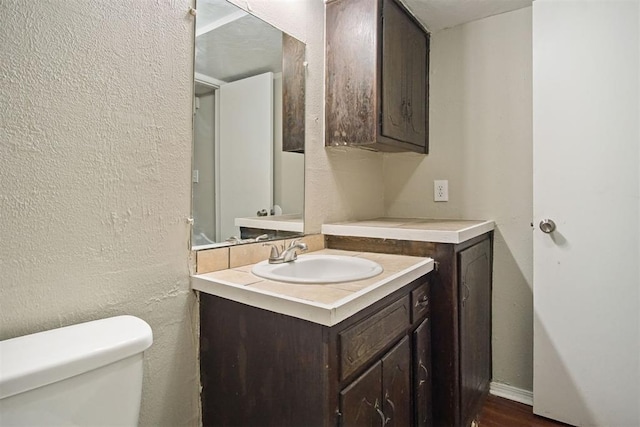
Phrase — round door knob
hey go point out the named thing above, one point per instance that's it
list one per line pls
(547, 226)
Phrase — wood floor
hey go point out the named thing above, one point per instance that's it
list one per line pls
(499, 412)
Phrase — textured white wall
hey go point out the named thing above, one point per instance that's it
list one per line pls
(95, 154)
(340, 184)
(481, 141)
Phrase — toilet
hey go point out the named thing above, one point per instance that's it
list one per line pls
(89, 374)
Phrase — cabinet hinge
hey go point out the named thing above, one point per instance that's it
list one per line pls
(436, 265)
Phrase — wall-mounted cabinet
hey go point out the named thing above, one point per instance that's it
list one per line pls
(377, 59)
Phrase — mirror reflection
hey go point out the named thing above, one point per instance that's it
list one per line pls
(246, 185)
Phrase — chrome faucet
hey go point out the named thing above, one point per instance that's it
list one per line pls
(282, 255)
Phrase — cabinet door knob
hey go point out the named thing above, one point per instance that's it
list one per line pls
(547, 226)
(466, 293)
(423, 302)
(424, 368)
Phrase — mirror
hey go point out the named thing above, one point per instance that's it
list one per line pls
(248, 144)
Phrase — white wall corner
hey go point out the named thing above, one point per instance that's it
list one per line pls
(511, 393)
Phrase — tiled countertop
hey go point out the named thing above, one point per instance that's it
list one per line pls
(416, 229)
(326, 304)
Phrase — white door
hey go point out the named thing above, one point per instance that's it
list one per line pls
(586, 179)
(246, 150)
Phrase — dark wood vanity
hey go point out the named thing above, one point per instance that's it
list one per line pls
(461, 319)
(263, 368)
(418, 356)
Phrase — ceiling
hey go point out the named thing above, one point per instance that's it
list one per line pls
(232, 44)
(250, 46)
(437, 15)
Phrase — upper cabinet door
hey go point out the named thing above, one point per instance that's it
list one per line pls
(394, 72)
(403, 80)
(351, 55)
(376, 76)
(417, 53)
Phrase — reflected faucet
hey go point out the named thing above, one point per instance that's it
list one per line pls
(286, 255)
(235, 240)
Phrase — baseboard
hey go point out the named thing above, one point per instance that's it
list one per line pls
(511, 393)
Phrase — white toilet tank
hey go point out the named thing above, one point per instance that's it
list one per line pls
(88, 374)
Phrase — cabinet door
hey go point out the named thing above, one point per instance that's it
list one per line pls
(404, 74)
(475, 327)
(394, 102)
(360, 403)
(350, 86)
(416, 92)
(396, 384)
(422, 374)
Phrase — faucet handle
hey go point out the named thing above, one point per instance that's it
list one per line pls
(295, 242)
(275, 251)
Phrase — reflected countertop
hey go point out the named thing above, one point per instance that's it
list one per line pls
(289, 222)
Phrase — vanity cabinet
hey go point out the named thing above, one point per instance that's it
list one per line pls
(460, 317)
(474, 275)
(263, 368)
(377, 66)
(381, 395)
(422, 367)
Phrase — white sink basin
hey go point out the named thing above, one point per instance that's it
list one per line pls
(319, 269)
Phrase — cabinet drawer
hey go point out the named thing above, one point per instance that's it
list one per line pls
(420, 302)
(363, 340)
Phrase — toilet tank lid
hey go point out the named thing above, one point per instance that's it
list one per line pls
(35, 360)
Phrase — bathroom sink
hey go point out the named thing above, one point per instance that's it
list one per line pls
(319, 269)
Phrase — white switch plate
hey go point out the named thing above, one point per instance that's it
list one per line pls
(440, 190)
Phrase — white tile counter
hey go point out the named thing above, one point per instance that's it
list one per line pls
(415, 229)
(326, 304)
